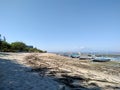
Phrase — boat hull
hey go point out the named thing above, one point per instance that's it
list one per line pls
(101, 60)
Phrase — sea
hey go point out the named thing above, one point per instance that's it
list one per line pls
(113, 57)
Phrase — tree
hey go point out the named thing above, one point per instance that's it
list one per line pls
(0, 42)
(35, 50)
(6, 47)
(4, 39)
(18, 46)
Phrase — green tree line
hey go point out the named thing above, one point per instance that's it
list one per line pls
(16, 46)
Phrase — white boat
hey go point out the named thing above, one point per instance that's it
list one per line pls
(101, 59)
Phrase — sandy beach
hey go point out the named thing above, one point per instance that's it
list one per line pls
(46, 71)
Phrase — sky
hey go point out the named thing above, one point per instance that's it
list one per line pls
(62, 25)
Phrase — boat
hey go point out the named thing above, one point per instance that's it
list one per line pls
(75, 56)
(85, 57)
(101, 59)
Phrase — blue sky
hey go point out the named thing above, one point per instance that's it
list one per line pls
(61, 25)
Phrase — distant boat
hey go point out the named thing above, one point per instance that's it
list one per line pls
(75, 55)
(101, 59)
(85, 57)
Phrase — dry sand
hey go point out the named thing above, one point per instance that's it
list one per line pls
(46, 71)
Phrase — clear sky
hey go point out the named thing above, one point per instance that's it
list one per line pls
(59, 25)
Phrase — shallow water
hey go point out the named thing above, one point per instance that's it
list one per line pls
(115, 59)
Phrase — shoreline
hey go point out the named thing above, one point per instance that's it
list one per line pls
(101, 75)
